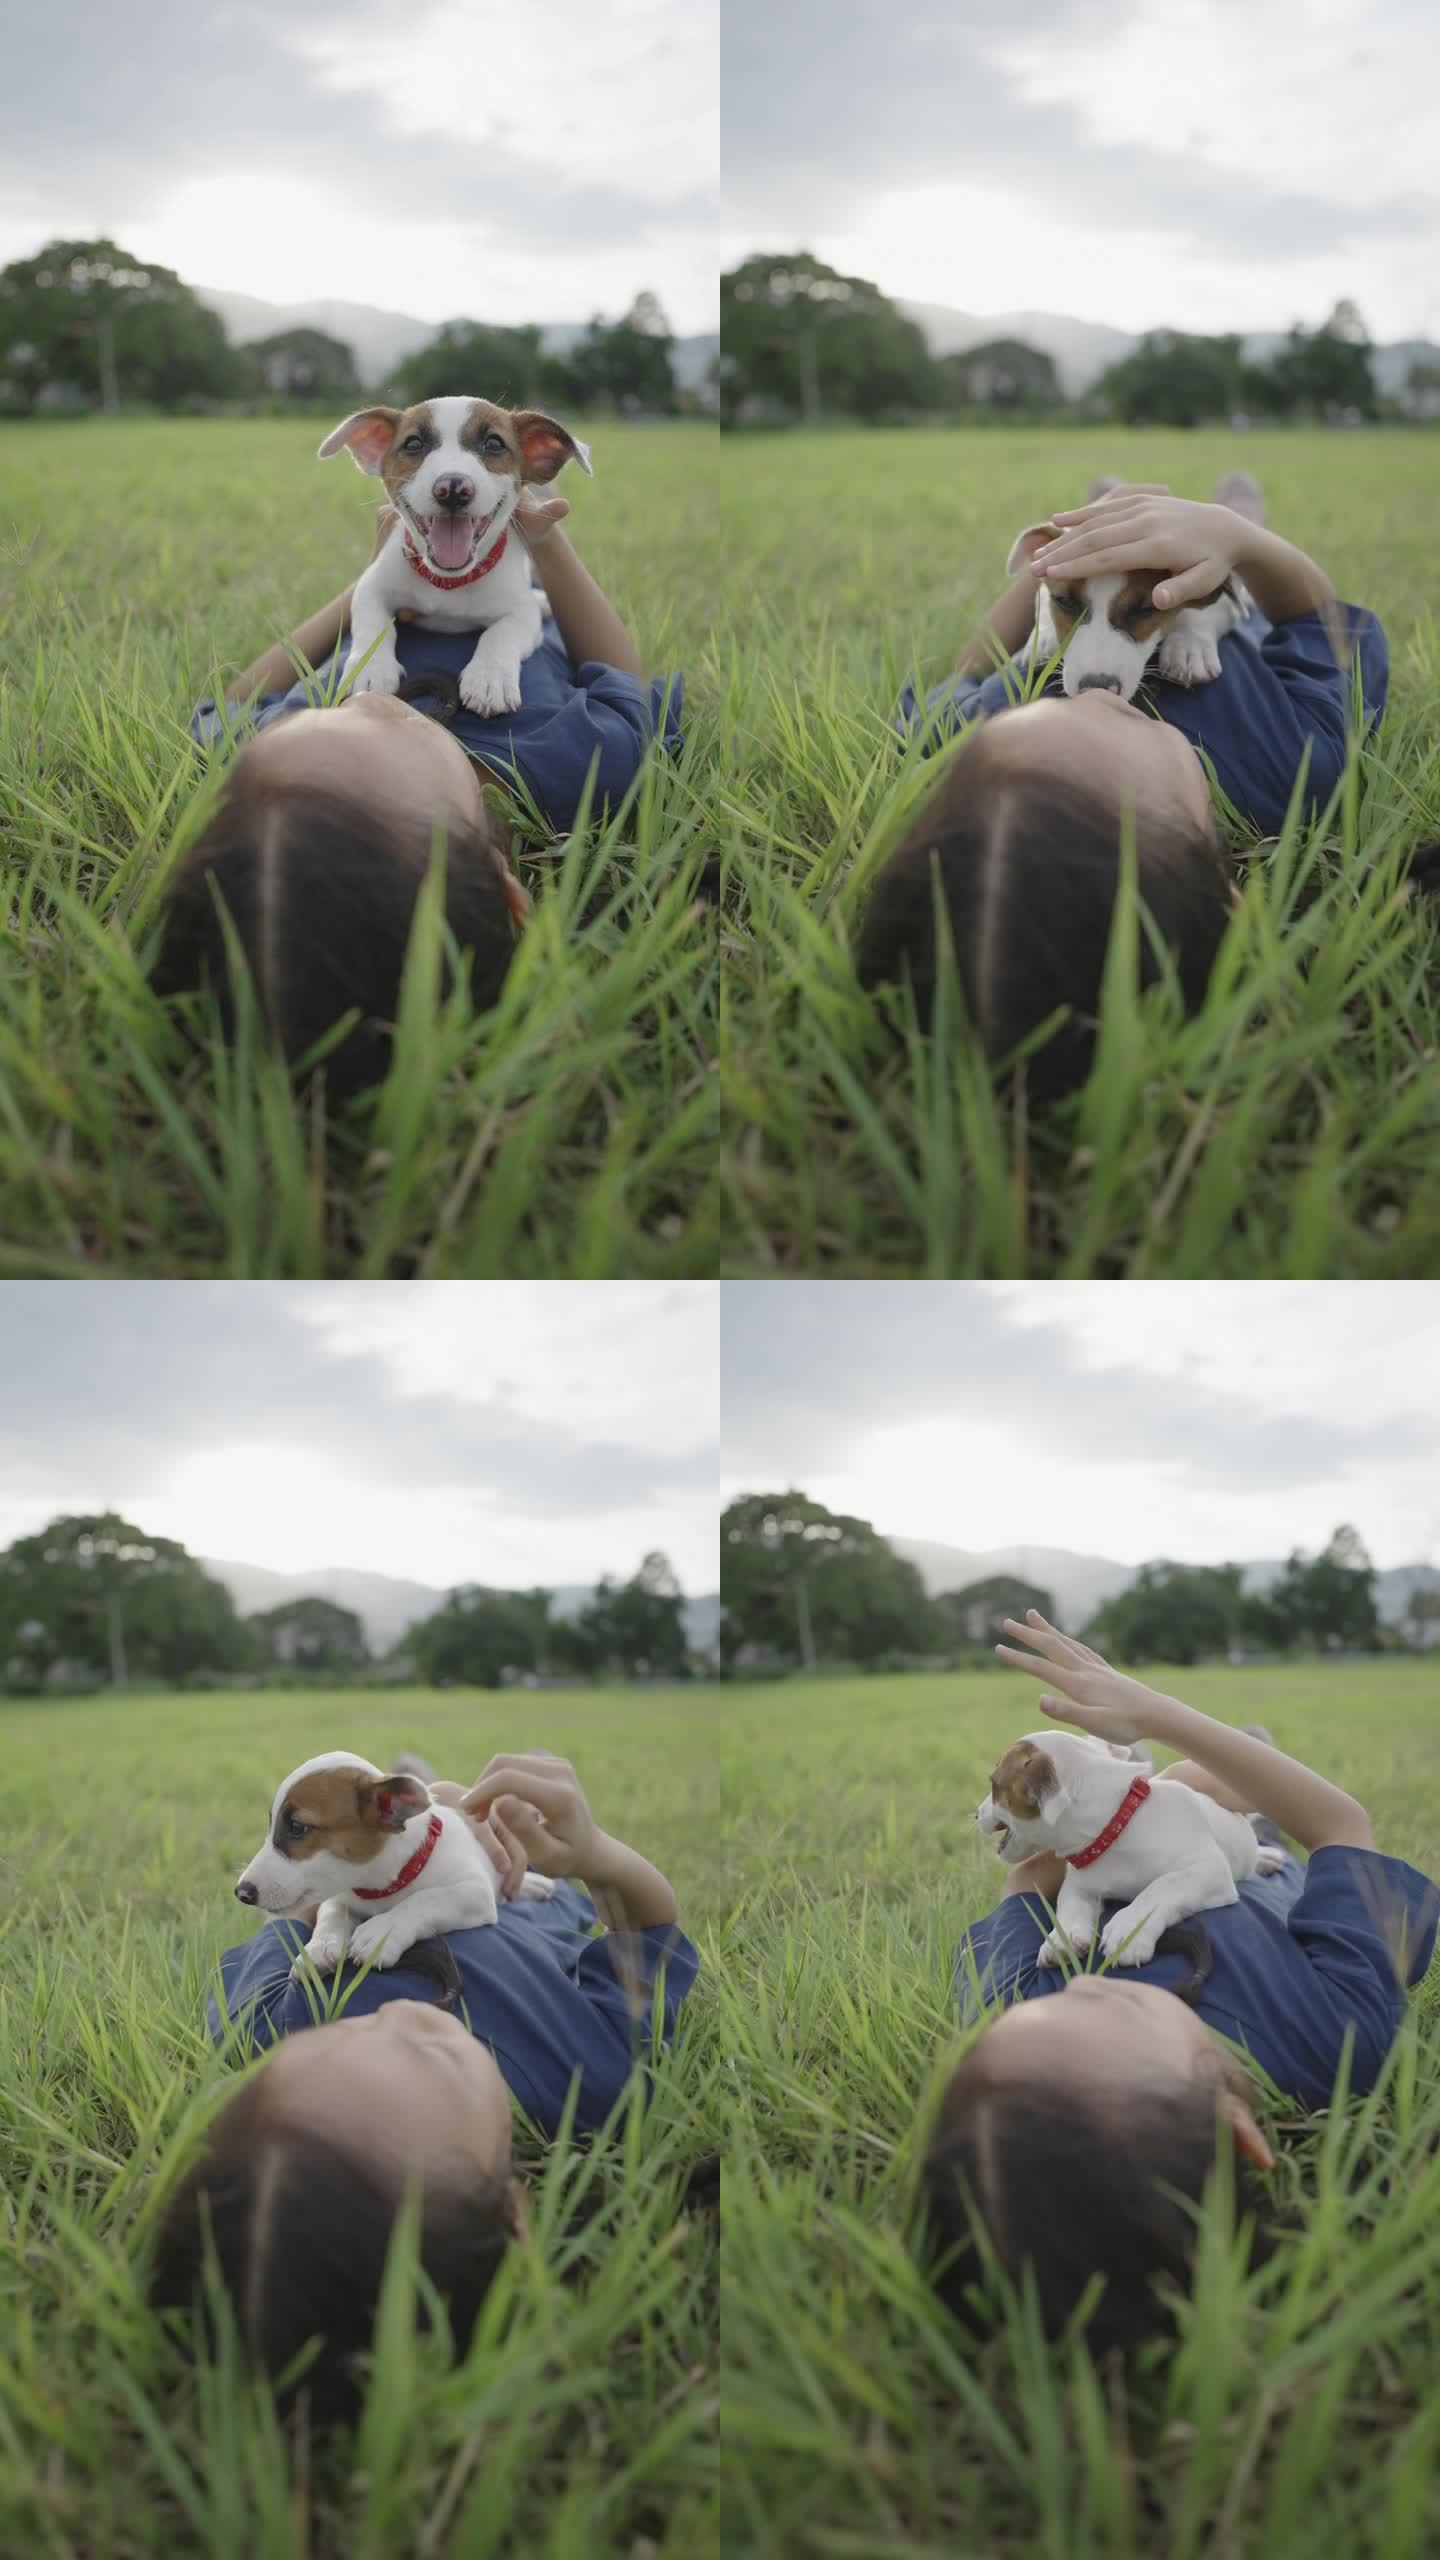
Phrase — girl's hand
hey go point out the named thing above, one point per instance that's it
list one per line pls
(535, 519)
(540, 1803)
(1101, 1701)
(1197, 544)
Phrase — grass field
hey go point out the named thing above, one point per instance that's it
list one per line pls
(1298, 2415)
(1292, 1129)
(584, 2422)
(572, 1131)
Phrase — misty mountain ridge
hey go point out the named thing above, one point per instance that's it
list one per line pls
(1080, 1584)
(1081, 349)
(380, 339)
(387, 1606)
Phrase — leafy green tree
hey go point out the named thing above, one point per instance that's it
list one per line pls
(88, 313)
(312, 1635)
(797, 331)
(811, 1584)
(306, 364)
(1327, 371)
(1172, 1613)
(977, 1612)
(1003, 373)
(98, 1590)
(636, 1628)
(625, 364)
(1173, 380)
(477, 1635)
(501, 364)
(1319, 1603)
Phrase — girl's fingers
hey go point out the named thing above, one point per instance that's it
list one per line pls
(1202, 580)
(1113, 498)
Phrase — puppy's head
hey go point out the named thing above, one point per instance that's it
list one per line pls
(455, 468)
(331, 1818)
(1108, 627)
(1046, 1792)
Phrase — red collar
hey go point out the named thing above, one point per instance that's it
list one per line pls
(1107, 1838)
(410, 1870)
(462, 577)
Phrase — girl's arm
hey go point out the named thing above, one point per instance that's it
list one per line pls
(539, 1800)
(314, 641)
(1117, 1709)
(584, 616)
(1005, 629)
(1197, 543)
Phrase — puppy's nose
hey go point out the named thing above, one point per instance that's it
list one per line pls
(1099, 684)
(245, 1891)
(452, 491)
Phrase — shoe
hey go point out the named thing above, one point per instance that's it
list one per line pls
(1097, 488)
(1240, 491)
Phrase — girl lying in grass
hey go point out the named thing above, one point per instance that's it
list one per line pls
(329, 817)
(306, 2168)
(1080, 2132)
(1026, 828)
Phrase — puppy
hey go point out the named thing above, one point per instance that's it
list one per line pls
(1161, 1850)
(385, 1852)
(454, 470)
(1114, 630)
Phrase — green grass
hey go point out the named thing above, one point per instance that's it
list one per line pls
(582, 2426)
(1293, 1129)
(1299, 2412)
(570, 1131)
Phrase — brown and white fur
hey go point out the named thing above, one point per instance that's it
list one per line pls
(1113, 630)
(338, 1823)
(1179, 1854)
(454, 469)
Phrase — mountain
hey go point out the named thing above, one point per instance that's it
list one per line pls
(379, 339)
(1080, 1583)
(1081, 349)
(387, 1607)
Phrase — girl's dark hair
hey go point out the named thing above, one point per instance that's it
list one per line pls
(321, 892)
(1029, 874)
(300, 2234)
(1011, 2179)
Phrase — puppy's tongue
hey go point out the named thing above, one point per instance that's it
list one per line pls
(450, 541)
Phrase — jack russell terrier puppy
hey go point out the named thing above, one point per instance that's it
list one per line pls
(454, 470)
(391, 1853)
(1161, 1849)
(1114, 630)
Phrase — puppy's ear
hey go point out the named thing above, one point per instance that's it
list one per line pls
(366, 436)
(1051, 1794)
(1026, 544)
(546, 446)
(389, 1803)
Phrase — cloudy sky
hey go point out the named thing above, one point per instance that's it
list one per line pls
(444, 1432)
(1200, 1421)
(1206, 164)
(440, 159)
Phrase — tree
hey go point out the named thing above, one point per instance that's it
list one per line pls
(501, 364)
(305, 364)
(1327, 371)
(1003, 373)
(97, 1590)
(312, 1634)
(477, 1635)
(1173, 380)
(1422, 1613)
(810, 1584)
(1319, 1604)
(624, 364)
(1172, 1613)
(976, 1614)
(797, 331)
(85, 312)
(636, 1628)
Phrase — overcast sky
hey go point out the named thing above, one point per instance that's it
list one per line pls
(453, 1431)
(1206, 164)
(439, 159)
(1200, 1421)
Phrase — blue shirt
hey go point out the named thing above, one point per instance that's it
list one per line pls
(1285, 1990)
(1279, 695)
(537, 1988)
(570, 720)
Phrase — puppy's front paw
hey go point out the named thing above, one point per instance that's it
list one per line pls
(324, 1952)
(489, 687)
(1188, 657)
(1055, 1949)
(535, 1888)
(1131, 1937)
(367, 1944)
(382, 675)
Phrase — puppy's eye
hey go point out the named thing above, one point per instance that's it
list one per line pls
(493, 445)
(295, 1829)
(413, 444)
